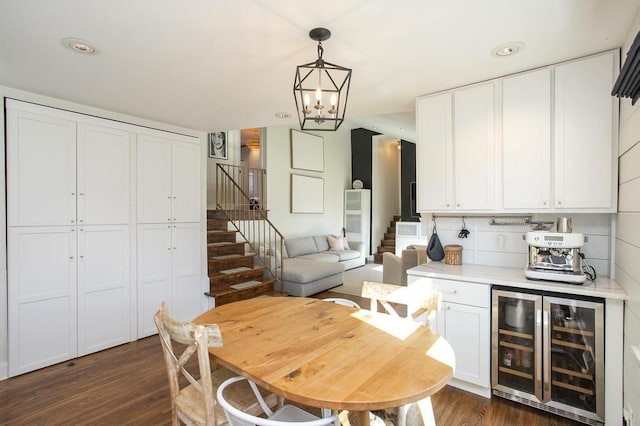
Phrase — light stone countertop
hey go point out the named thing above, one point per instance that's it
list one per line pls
(513, 277)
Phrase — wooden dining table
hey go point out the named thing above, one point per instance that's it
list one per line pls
(331, 356)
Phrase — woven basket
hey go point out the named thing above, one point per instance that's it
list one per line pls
(453, 254)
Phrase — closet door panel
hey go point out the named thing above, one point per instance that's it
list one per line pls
(41, 169)
(185, 182)
(188, 294)
(42, 297)
(103, 175)
(103, 287)
(154, 179)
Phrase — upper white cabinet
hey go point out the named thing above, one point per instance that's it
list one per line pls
(168, 179)
(64, 172)
(557, 149)
(456, 150)
(585, 134)
(526, 140)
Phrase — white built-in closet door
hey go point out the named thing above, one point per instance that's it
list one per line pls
(42, 296)
(187, 291)
(103, 287)
(103, 175)
(154, 179)
(154, 273)
(41, 168)
(185, 182)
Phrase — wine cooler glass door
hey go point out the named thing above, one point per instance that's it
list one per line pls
(574, 369)
(516, 340)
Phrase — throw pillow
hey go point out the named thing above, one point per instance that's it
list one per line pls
(335, 242)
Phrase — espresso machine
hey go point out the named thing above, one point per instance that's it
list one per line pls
(555, 256)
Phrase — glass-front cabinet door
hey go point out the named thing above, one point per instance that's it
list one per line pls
(516, 342)
(574, 362)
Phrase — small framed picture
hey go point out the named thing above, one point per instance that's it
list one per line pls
(218, 145)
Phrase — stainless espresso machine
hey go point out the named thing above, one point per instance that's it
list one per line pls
(555, 256)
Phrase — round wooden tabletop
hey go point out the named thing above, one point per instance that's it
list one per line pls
(328, 355)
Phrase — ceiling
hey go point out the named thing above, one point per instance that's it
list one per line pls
(216, 65)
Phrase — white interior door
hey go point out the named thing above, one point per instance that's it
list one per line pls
(103, 175)
(103, 287)
(42, 297)
(41, 169)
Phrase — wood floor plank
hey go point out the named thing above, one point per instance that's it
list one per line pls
(128, 385)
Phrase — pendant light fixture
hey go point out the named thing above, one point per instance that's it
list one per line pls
(321, 89)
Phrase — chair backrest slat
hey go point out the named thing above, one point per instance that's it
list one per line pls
(419, 301)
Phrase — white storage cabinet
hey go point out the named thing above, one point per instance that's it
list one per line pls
(357, 219)
(456, 150)
(168, 234)
(465, 322)
(68, 179)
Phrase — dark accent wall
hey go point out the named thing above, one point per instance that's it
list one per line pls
(408, 210)
(362, 156)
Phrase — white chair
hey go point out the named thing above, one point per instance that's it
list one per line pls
(342, 301)
(283, 416)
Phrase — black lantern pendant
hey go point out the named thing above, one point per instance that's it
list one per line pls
(321, 90)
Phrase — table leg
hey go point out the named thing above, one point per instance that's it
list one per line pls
(364, 418)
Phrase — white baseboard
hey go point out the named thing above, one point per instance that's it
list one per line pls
(470, 387)
(4, 370)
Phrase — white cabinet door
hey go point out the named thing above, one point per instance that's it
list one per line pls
(185, 182)
(42, 297)
(585, 143)
(434, 153)
(526, 140)
(103, 175)
(154, 273)
(187, 294)
(154, 179)
(474, 148)
(466, 328)
(103, 287)
(41, 169)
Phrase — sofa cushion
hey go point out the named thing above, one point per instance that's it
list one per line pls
(304, 271)
(321, 242)
(347, 254)
(327, 256)
(299, 246)
(336, 242)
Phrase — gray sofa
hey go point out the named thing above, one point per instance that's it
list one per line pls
(309, 266)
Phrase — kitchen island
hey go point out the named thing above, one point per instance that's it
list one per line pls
(465, 320)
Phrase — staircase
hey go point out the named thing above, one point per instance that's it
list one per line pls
(388, 244)
(233, 272)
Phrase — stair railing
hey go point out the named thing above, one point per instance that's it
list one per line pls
(246, 214)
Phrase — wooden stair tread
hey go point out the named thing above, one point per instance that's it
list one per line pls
(246, 284)
(226, 256)
(235, 270)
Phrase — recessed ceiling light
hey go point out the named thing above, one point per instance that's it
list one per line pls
(80, 46)
(283, 115)
(507, 49)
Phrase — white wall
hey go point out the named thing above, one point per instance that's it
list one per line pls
(627, 241)
(83, 109)
(336, 175)
(502, 245)
(385, 179)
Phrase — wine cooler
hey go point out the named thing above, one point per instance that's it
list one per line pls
(548, 352)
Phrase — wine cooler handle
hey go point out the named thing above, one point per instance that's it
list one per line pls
(538, 317)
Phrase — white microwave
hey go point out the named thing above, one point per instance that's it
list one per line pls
(411, 229)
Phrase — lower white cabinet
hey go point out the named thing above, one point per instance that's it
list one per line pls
(68, 292)
(168, 270)
(464, 322)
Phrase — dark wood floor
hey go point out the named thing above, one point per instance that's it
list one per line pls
(128, 385)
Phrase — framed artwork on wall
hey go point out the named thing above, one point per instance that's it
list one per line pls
(307, 194)
(218, 145)
(307, 151)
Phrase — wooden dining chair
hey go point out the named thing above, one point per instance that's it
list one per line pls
(421, 303)
(195, 403)
(342, 301)
(283, 416)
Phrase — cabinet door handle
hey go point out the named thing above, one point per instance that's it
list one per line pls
(450, 292)
(82, 193)
(174, 197)
(458, 205)
(169, 197)
(73, 193)
(71, 257)
(72, 221)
